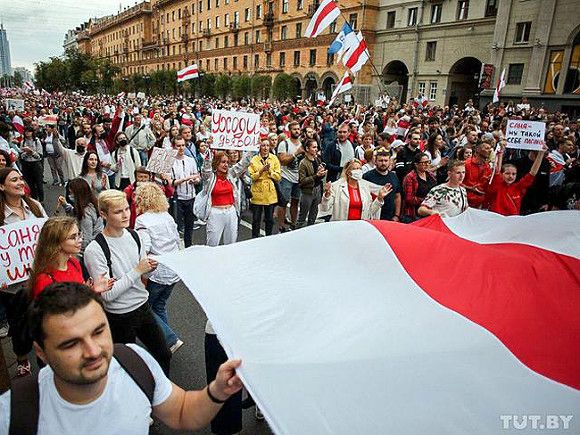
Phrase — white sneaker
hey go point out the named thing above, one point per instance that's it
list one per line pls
(3, 330)
(199, 222)
(176, 346)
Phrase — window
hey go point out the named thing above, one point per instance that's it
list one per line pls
(217, 42)
(268, 60)
(283, 33)
(217, 22)
(246, 38)
(298, 30)
(297, 58)
(282, 59)
(523, 32)
(215, 63)
(209, 6)
(178, 16)
(235, 62)
(432, 91)
(332, 27)
(200, 6)
(412, 17)
(430, 52)
(227, 2)
(391, 19)
(207, 64)
(436, 13)
(300, 5)
(217, 3)
(247, 14)
(173, 16)
(329, 59)
(352, 19)
(462, 9)
(193, 28)
(208, 23)
(200, 45)
(312, 57)
(515, 72)
(226, 41)
(226, 20)
(259, 11)
(284, 6)
(237, 17)
(236, 40)
(225, 63)
(256, 61)
(421, 89)
(491, 8)
(257, 36)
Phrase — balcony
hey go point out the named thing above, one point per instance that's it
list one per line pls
(268, 47)
(149, 45)
(206, 33)
(269, 19)
(234, 27)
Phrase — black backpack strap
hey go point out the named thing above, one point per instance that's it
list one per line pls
(137, 239)
(100, 239)
(24, 406)
(137, 368)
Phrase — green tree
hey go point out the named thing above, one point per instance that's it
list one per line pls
(241, 86)
(18, 79)
(283, 87)
(261, 86)
(223, 85)
(207, 85)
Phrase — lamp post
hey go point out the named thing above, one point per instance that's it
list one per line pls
(147, 79)
(126, 82)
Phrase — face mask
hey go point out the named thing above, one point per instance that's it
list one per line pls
(122, 142)
(103, 135)
(356, 174)
(80, 149)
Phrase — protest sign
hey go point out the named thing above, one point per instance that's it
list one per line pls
(17, 246)
(161, 160)
(48, 120)
(141, 95)
(527, 135)
(15, 104)
(232, 130)
(131, 95)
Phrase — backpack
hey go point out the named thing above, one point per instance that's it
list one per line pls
(100, 239)
(25, 394)
(131, 151)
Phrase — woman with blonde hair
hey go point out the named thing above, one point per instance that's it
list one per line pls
(159, 233)
(351, 198)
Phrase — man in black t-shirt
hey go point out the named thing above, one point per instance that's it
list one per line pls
(381, 175)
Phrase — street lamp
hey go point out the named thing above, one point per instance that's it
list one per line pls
(126, 81)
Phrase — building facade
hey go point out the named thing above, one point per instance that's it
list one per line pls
(5, 60)
(537, 42)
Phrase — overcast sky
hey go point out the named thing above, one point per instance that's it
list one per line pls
(36, 28)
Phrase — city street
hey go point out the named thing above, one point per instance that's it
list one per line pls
(188, 320)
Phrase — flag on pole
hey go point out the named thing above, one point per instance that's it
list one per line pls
(326, 13)
(339, 44)
(190, 72)
(357, 54)
(409, 346)
(500, 85)
(344, 85)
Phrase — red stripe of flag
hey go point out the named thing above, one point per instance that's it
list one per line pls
(536, 319)
(323, 13)
(191, 71)
(353, 59)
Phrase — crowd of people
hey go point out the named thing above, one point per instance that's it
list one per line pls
(400, 162)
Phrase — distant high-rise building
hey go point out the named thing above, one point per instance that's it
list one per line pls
(5, 64)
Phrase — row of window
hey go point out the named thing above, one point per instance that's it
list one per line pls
(432, 89)
(462, 13)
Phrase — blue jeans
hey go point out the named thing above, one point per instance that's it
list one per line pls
(185, 219)
(144, 157)
(158, 296)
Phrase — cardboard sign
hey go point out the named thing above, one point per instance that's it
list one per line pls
(527, 135)
(48, 120)
(17, 248)
(161, 160)
(14, 104)
(232, 130)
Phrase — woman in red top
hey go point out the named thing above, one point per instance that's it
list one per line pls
(55, 259)
(505, 193)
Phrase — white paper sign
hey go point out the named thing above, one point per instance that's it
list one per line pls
(233, 130)
(161, 160)
(131, 95)
(141, 95)
(17, 245)
(527, 135)
(15, 104)
(347, 98)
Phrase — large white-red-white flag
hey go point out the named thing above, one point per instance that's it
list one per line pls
(344, 85)
(190, 72)
(324, 16)
(357, 54)
(451, 325)
(500, 85)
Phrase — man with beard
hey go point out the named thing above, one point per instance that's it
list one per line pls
(83, 389)
(73, 159)
(289, 153)
(477, 175)
(391, 210)
(140, 137)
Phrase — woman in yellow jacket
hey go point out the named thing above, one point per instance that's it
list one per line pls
(265, 171)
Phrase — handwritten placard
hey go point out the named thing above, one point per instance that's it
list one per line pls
(527, 135)
(17, 247)
(14, 104)
(161, 160)
(233, 130)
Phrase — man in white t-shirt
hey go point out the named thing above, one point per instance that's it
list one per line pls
(83, 389)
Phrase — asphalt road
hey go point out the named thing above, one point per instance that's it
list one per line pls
(188, 320)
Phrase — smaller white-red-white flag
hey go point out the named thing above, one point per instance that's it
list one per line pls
(344, 85)
(357, 56)
(190, 72)
(120, 94)
(500, 85)
(324, 16)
